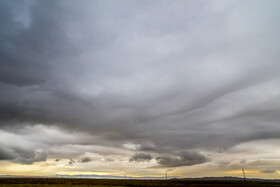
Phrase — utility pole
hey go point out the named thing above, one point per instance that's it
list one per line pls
(244, 176)
(166, 175)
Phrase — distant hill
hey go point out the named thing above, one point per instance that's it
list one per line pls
(228, 178)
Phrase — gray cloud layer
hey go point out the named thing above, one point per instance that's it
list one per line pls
(166, 76)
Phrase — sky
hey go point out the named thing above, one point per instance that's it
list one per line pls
(188, 87)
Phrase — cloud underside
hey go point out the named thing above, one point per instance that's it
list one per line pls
(161, 80)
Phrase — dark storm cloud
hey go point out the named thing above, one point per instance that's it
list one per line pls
(23, 156)
(164, 76)
(29, 157)
(140, 157)
(71, 162)
(31, 36)
(187, 158)
(86, 159)
(5, 155)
